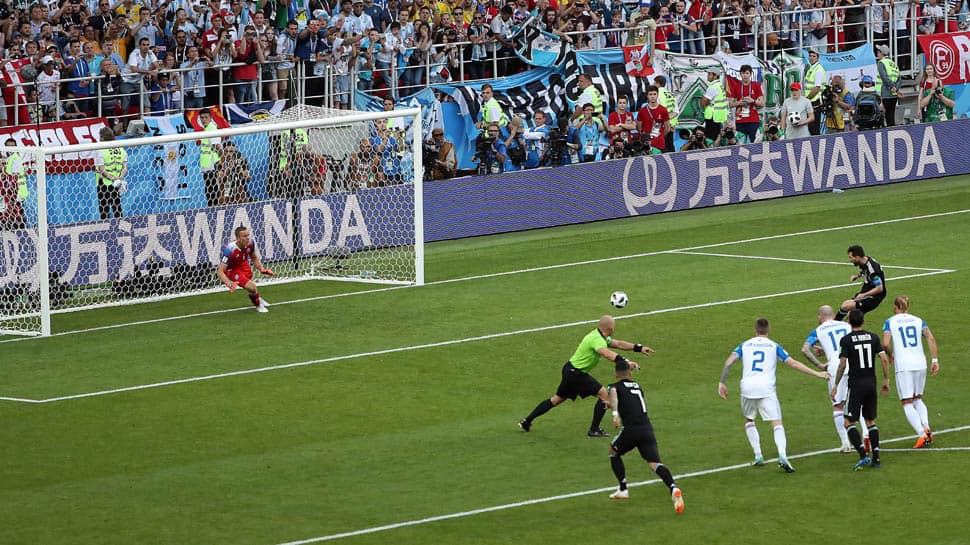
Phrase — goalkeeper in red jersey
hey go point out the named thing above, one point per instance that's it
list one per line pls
(234, 270)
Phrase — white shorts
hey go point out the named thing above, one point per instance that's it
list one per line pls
(843, 390)
(767, 407)
(910, 383)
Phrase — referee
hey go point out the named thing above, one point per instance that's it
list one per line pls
(576, 380)
(627, 401)
(858, 350)
(873, 289)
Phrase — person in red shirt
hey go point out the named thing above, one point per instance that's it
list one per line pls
(654, 120)
(621, 123)
(234, 270)
(746, 97)
(247, 50)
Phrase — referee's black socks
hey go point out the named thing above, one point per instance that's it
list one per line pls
(541, 409)
(874, 442)
(599, 409)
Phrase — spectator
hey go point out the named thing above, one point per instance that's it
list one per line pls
(683, 28)
(221, 55)
(79, 88)
(268, 68)
(180, 49)
(641, 23)
(194, 79)
(700, 11)
(877, 16)
(48, 88)
(160, 98)
(102, 19)
(119, 34)
(310, 49)
(146, 28)
(91, 37)
(285, 48)
(249, 52)
(364, 65)
(419, 58)
(183, 25)
(344, 56)
(110, 88)
(501, 46)
(480, 35)
(142, 64)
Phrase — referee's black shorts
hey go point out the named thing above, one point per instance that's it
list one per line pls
(640, 438)
(862, 400)
(576, 383)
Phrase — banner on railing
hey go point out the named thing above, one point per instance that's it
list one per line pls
(950, 56)
(852, 65)
(238, 114)
(62, 133)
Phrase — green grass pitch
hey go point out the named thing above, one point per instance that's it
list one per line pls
(402, 431)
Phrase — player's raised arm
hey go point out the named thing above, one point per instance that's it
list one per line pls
(616, 358)
(626, 345)
(721, 386)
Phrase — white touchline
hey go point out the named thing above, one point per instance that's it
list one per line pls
(811, 261)
(928, 449)
(445, 343)
(506, 273)
(584, 493)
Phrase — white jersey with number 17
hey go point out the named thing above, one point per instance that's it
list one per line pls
(907, 335)
(828, 335)
(760, 357)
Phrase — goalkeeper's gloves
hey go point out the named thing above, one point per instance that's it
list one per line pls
(232, 286)
(267, 272)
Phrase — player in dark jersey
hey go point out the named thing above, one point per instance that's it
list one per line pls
(873, 289)
(858, 350)
(628, 404)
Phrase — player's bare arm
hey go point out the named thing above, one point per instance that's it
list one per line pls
(614, 406)
(838, 376)
(611, 355)
(721, 386)
(221, 273)
(799, 366)
(626, 345)
(934, 353)
(807, 349)
(885, 373)
(259, 266)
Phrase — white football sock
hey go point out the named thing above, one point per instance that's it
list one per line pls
(863, 428)
(781, 442)
(752, 431)
(924, 415)
(912, 416)
(839, 418)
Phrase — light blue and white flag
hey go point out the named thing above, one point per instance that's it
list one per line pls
(171, 179)
(238, 114)
(851, 65)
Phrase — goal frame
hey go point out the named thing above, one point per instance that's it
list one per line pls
(38, 157)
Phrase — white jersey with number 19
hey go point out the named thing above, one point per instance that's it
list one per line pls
(760, 357)
(907, 335)
(828, 335)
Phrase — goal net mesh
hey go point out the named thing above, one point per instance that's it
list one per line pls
(325, 195)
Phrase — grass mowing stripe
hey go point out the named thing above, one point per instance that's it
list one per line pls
(793, 260)
(505, 273)
(494, 508)
(449, 342)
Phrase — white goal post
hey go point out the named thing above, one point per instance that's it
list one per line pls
(326, 194)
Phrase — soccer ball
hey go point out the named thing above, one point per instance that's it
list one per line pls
(618, 299)
(794, 117)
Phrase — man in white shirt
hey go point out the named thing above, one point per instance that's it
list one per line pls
(141, 62)
(796, 114)
(760, 356)
(902, 338)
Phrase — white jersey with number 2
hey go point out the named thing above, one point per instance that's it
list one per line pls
(907, 334)
(760, 357)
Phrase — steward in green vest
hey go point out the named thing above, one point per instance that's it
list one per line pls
(491, 110)
(11, 203)
(667, 100)
(715, 104)
(209, 158)
(887, 83)
(111, 167)
(14, 168)
(815, 79)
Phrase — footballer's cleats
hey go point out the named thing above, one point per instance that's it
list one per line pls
(875, 464)
(784, 464)
(861, 464)
(525, 425)
(261, 309)
(597, 433)
(758, 461)
(678, 498)
(620, 495)
(263, 302)
(921, 442)
(846, 447)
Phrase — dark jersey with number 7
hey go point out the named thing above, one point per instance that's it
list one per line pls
(860, 348)
(631, 404)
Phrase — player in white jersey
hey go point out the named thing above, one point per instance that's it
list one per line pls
(827, 336)
(760, 356)
(902, 337)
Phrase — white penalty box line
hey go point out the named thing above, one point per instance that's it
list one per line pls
(445, 343)
(522, 271)
(463, 514)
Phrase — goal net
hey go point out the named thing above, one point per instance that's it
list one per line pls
(326, 195)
